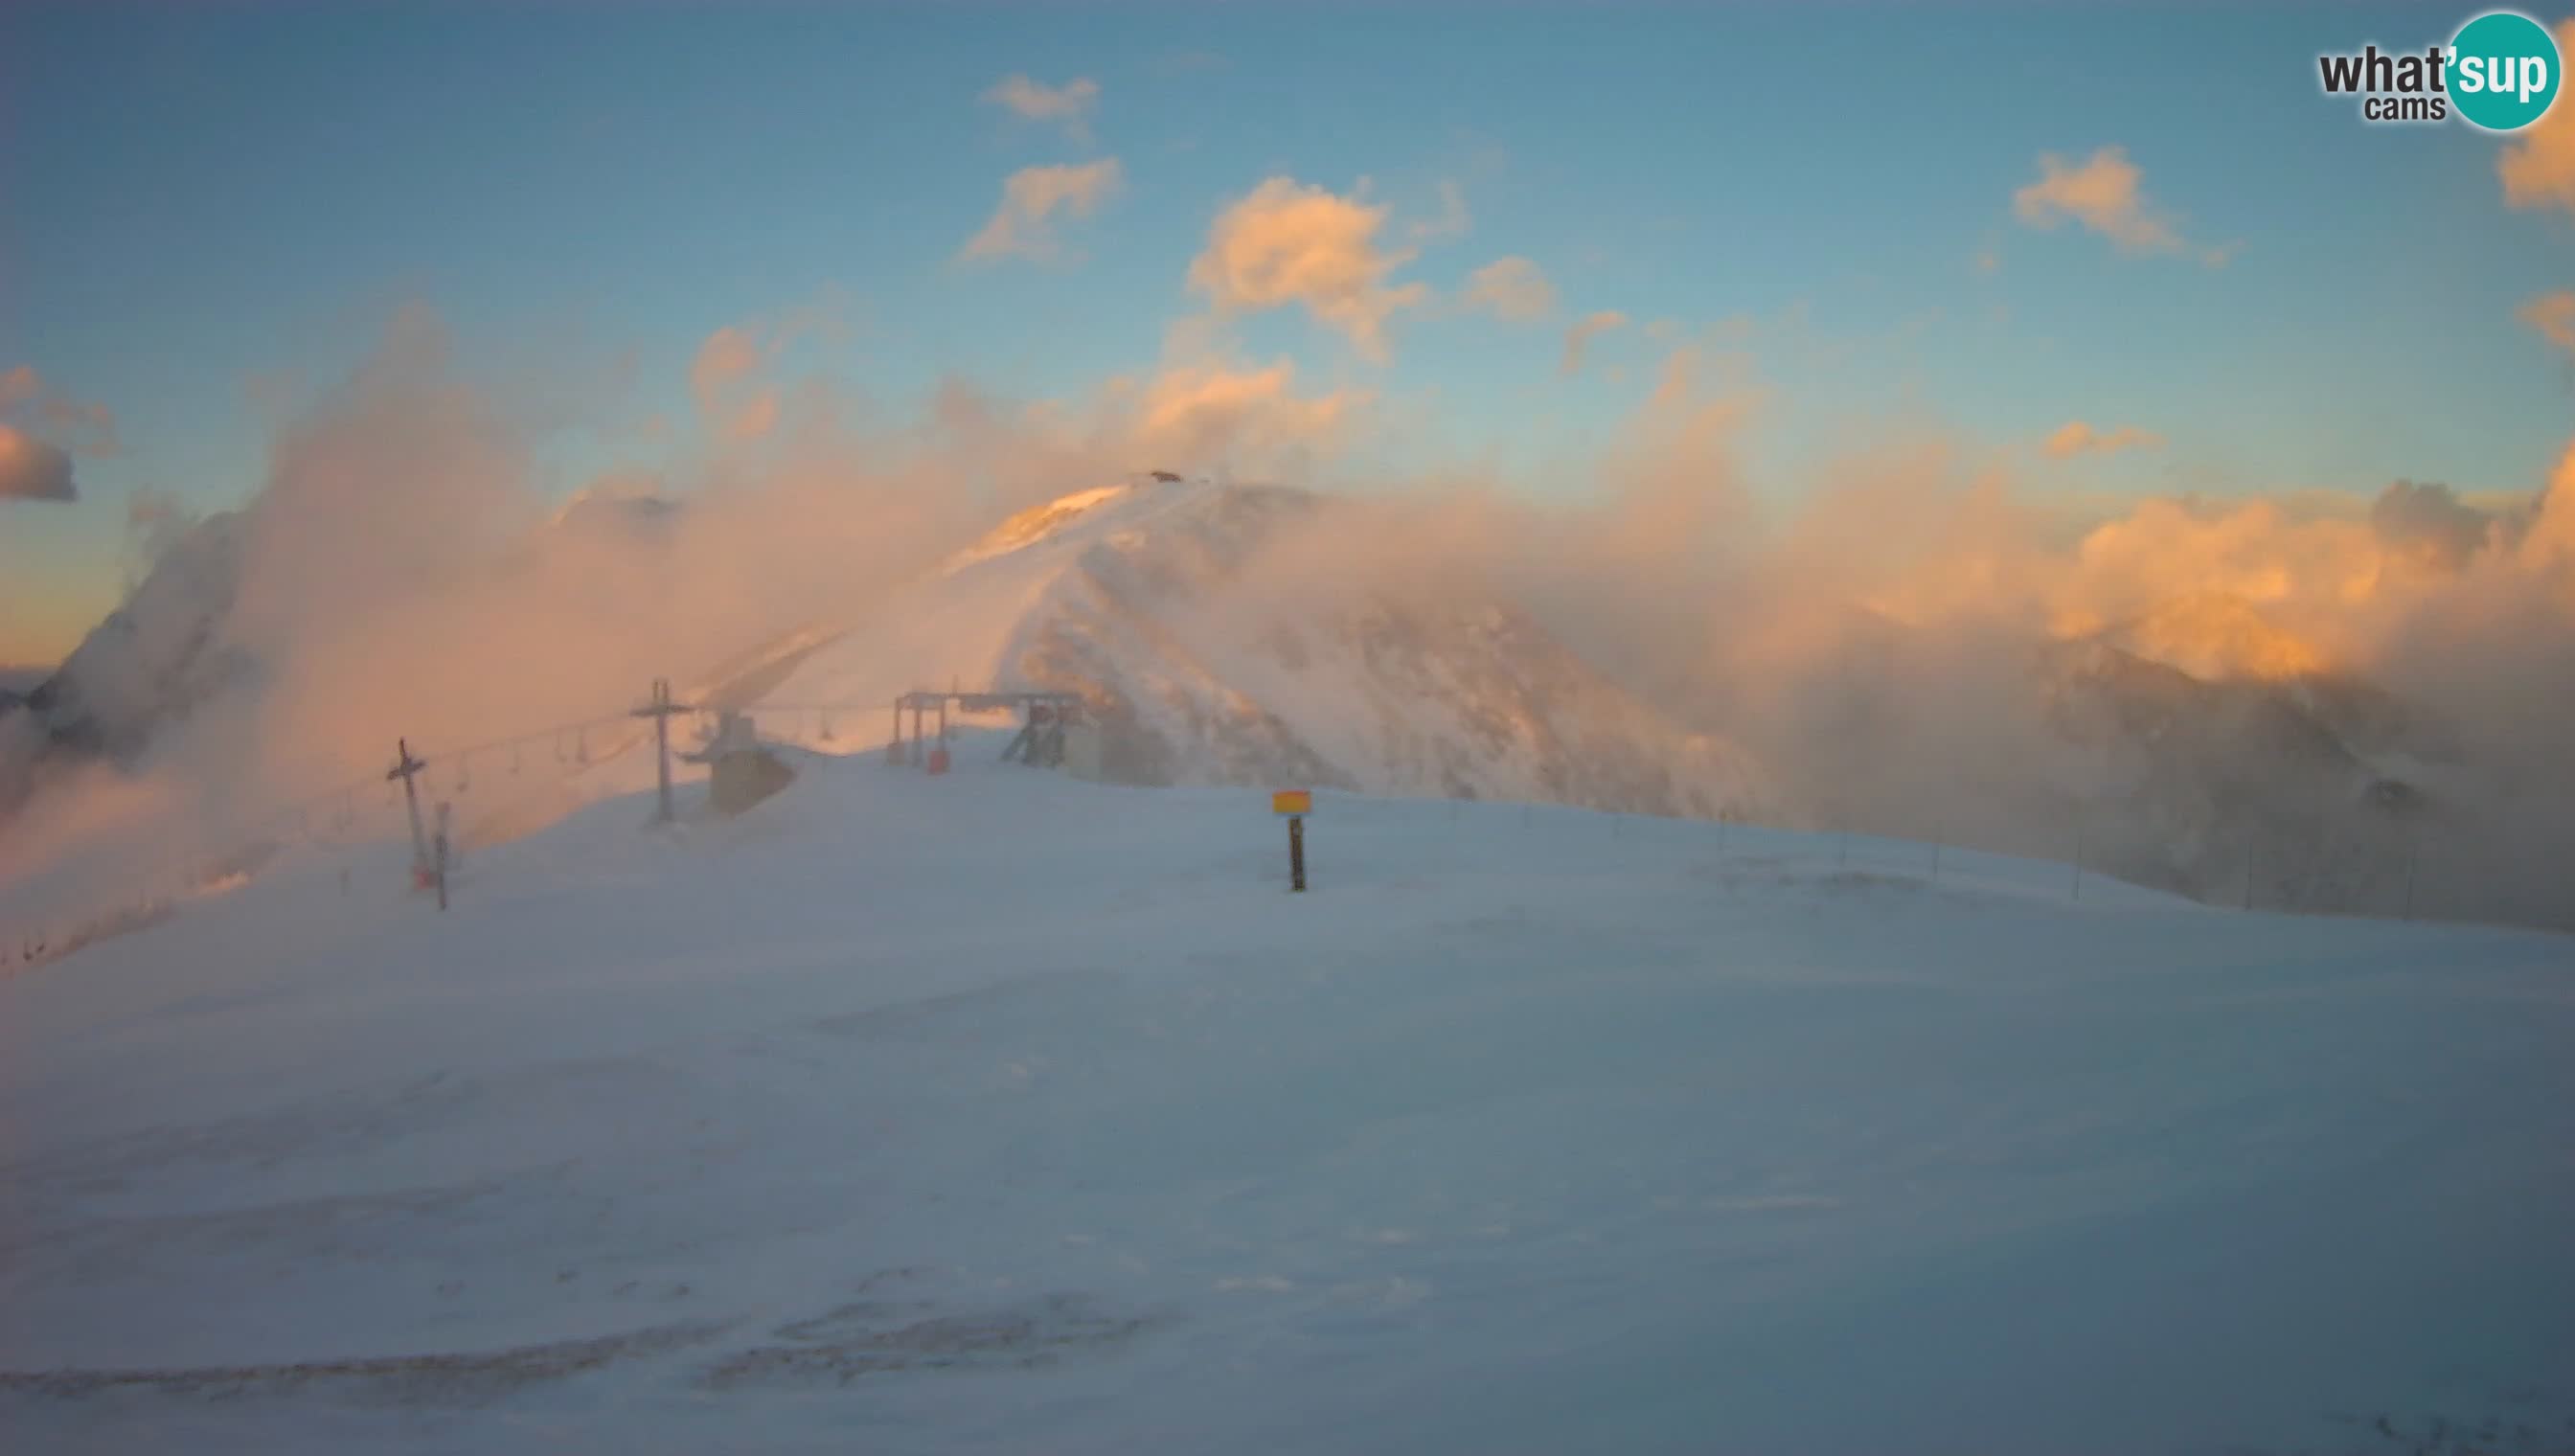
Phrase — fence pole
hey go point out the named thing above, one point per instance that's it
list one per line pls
(442, 857)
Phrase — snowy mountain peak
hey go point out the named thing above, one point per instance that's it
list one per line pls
(1169, 606)
(1098, 507)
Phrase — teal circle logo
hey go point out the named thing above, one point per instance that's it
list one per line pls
(2503, 71)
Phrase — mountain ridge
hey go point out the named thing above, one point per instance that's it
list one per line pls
(1215, 636)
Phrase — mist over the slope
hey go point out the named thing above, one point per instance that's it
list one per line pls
(406, 570)
(1893, 648)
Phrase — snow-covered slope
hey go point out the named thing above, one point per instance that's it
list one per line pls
(1158, 600)
(153, 659)
(1001, 1112)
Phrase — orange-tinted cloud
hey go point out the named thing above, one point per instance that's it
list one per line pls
(2167, 549)
(1579, 337)
(83, 428)
(2102, 193)
(1068, 104)
(2427, 527)
(1023, 226)
(1210, 414)
(755, 418)
(1510, 288)
(90, 429)
(724, 377)
(729, 354)
(2538, 166)
(1288, 243)
(2553, 315)
(2549, 545)
(31, 469)
(2078, 437)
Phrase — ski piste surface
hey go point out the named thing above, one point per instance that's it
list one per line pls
(1003, 1112)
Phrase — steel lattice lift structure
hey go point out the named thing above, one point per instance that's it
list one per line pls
(1040, 743)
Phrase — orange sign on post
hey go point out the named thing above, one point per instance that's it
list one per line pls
(1294, 805)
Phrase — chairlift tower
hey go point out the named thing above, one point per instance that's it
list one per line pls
(661, 709)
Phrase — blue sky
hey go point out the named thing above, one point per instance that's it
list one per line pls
(211, 207)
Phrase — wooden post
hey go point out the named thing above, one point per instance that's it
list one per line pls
(2413, 853)
(662, 751)
(406, 767)
(1294, 805)
(439, 859)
